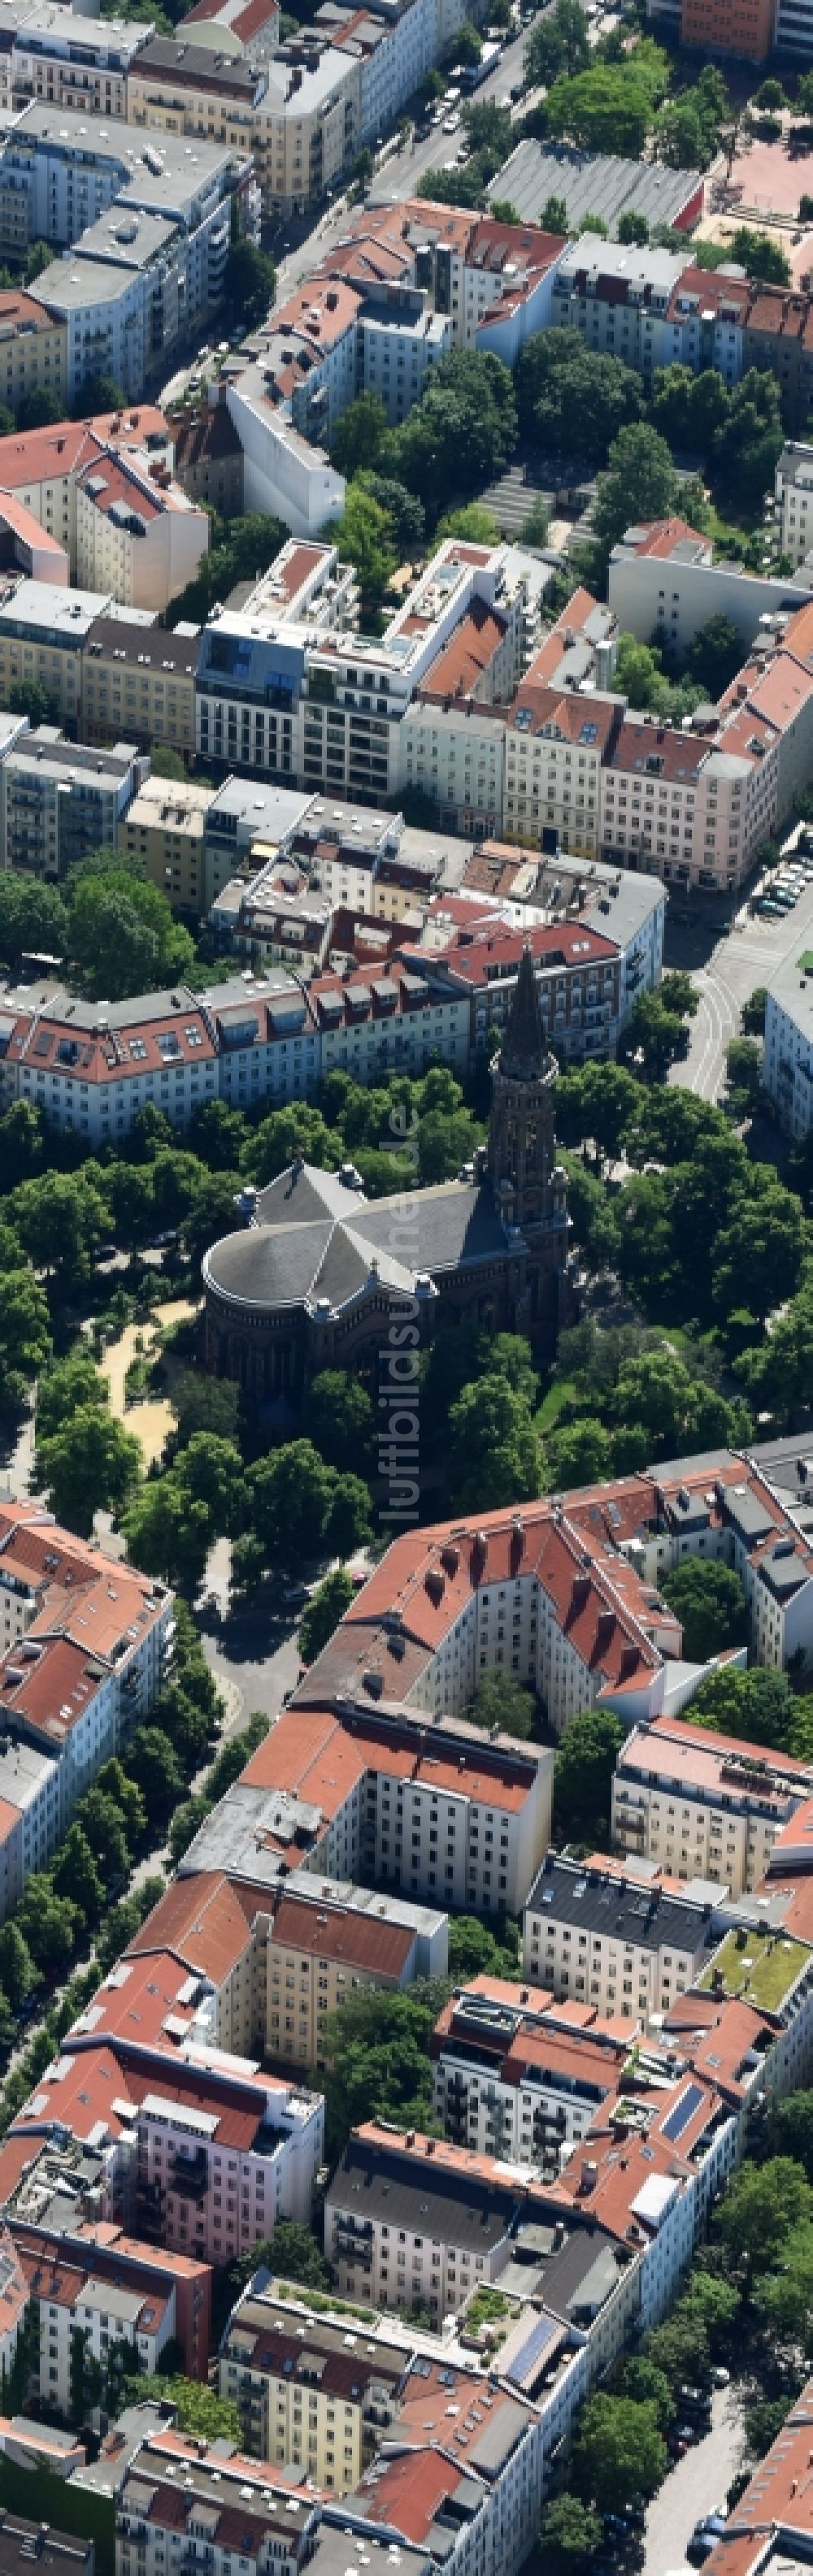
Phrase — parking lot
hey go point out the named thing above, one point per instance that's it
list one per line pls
(746, 955)
(695, 2486)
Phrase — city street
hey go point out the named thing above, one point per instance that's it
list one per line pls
(696, 2485)
(747, 955)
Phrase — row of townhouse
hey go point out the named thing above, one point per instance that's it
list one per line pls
(141, 231)
(654, 309)
(84, 1648)
(699, 1805)
(93, 1067)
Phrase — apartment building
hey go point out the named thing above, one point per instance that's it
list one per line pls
(463, 1824)
(328, 711)
(43, 630)
(618, 297)
(555, 747)
(175, 2489)
(413, 2221)
(376, 1022)
(577, 974)
(308, 2401)
(92, 1066)
(664, 582)
(284, 925)
(135, 539)
(149, 248)
(43, 470)
(492, 283)
(513, 2078)
(53, 53)
(776, 687)
(84, 1653)
(693, 807)
(163, 830)
(793, 501)
(209, 457)
(134, 676)
(30, 1812)
(625, 1945)
(72, 2556)
(59, 800)
(32, 350)
(273, 1952)
(787, 1056)
(198, 2151)
(701, 1806)
(112, 2290)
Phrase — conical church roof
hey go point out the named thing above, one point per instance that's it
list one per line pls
(523, 1053)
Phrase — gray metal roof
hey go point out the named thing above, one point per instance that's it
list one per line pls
(620, 1909)
(592, 185)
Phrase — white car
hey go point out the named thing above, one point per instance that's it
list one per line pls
(451, 124)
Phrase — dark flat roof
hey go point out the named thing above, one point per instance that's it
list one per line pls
(621, 1909)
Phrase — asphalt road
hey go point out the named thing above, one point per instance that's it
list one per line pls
(696, 2485)
(749, 954)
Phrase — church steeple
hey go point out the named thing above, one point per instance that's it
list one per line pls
(521, 1136)
(523, 1051)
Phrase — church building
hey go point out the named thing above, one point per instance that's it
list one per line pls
(319, 1274)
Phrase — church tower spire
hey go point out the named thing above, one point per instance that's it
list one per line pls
(521, 1138)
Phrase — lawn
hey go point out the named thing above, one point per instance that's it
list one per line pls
(563, 1391)
(761, 1971)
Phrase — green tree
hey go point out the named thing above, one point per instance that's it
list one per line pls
(601, 110)
(715, 655)
(123, 935)
(32, 914)
(570, 2535)
(493, 1457)
(68, 1387)
(778, 1372)
(791, 2127)
(580, 1453)
(759, 1255)
(29, 698)
(710, 1603)
(242, 548)
(461, 433)
(91, 1465)
(475, 1951)
(359, 434)
(292, 2254)
(24, 1333)
(558, 43)
(248, 1564)
(338, 1418)
(186, 1823)
(763, 2206)
(61, 1220)
(210, 1472)
(249, 283)
(166, 1534)
(553, 216)
(760, 255)
(467, 44)
(115, 1783)
(291, 1495)
(499, 1701)
(156, 1768)
(402, 508)
(363, 535)
(326, 1607)
(377, 2049)
(285, 1134)
(639, 676)
(756, 1705)
(632, 227)
(17, 1970)
(473, 521)
(639, 484)
(75, 1875)
(48, 1922)
(747, 445)
(649, 2387)
(753, 1012)
(619, 2454)
(102, 1822)
(583, 1776)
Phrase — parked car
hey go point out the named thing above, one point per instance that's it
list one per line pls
(451, 123)
(720, 2378)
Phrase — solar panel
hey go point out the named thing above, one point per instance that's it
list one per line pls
(683, 2112)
